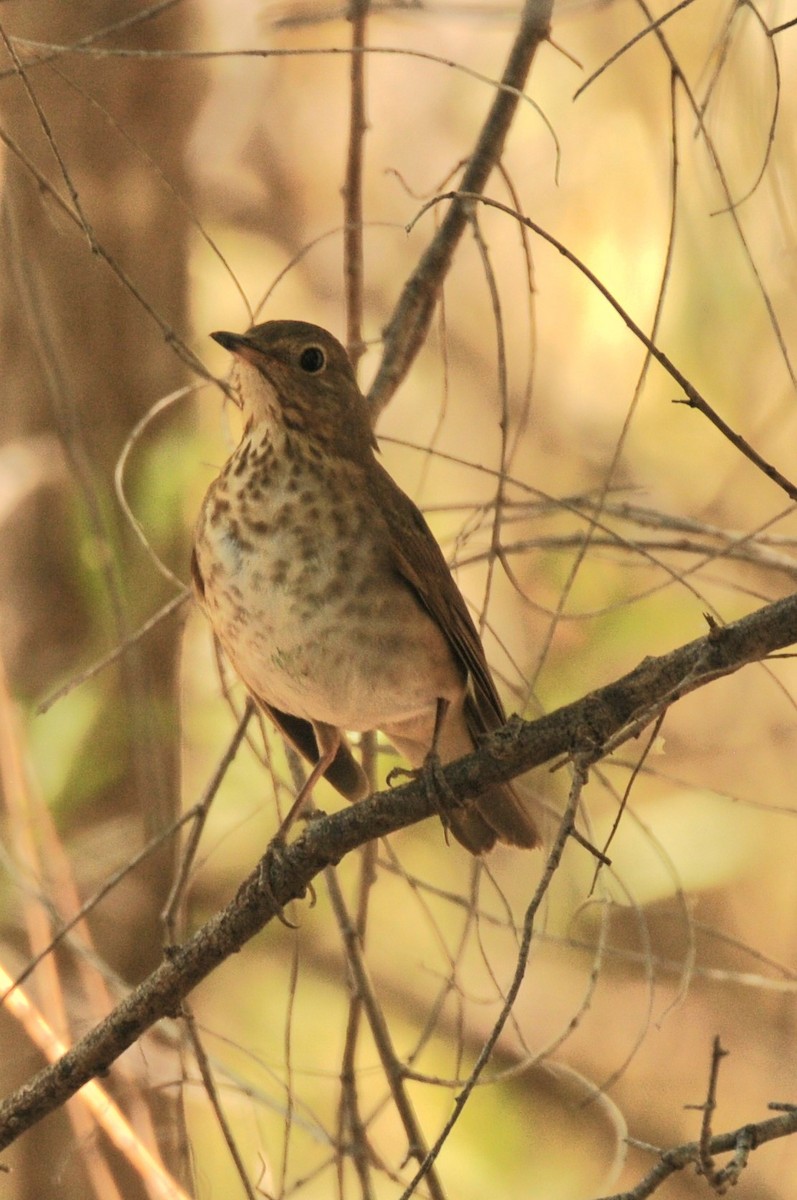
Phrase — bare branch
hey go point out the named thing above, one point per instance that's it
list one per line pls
(739, 1141)
(407, 328)
(581, 728)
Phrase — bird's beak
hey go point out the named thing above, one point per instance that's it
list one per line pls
(239, 345)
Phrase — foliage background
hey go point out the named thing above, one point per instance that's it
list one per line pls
(179, 160)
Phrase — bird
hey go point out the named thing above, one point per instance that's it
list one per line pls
(326, 587)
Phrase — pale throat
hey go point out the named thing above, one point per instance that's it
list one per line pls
(258, 397)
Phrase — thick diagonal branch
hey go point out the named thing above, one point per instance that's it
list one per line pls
(584, 728)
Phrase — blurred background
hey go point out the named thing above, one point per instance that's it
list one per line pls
(160, 181)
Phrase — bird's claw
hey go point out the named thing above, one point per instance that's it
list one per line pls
(436, 786)
(272, 855)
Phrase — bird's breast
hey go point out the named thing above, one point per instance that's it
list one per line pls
(301, 591)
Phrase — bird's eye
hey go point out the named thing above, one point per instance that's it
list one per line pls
(312, 360)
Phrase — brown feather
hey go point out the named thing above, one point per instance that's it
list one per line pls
(344, 773)
(417, 557)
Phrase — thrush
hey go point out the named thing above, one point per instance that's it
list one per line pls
(326, 587)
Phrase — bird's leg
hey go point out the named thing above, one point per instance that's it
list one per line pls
(432, 760)
(434, 781)
(431, 773)
(432, 765)
(328, 741)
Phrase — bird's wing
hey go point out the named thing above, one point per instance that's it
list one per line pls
(419, 560)
(500, 811)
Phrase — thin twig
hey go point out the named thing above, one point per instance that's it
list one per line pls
(380, 1032)
(287, 1047)
(739, 1142)
(211, 1091)
(643, 33)
(200, 813)
(503, 393)
(705, 1158)
(693, 398)
(654, 733)
(149, 416)
(352, 1129)
(551, 865)
(352, 188)
(108, 885)
(48, 133)
(172, 606)
(170, 336)
(137, 18)
(733, 215)
(621, 440)
(407, 328)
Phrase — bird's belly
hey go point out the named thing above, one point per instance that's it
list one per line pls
(325, 634)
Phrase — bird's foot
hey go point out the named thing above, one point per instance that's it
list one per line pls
(269, 865)
(436, 786)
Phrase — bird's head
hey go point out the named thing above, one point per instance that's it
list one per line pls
(298, 379)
